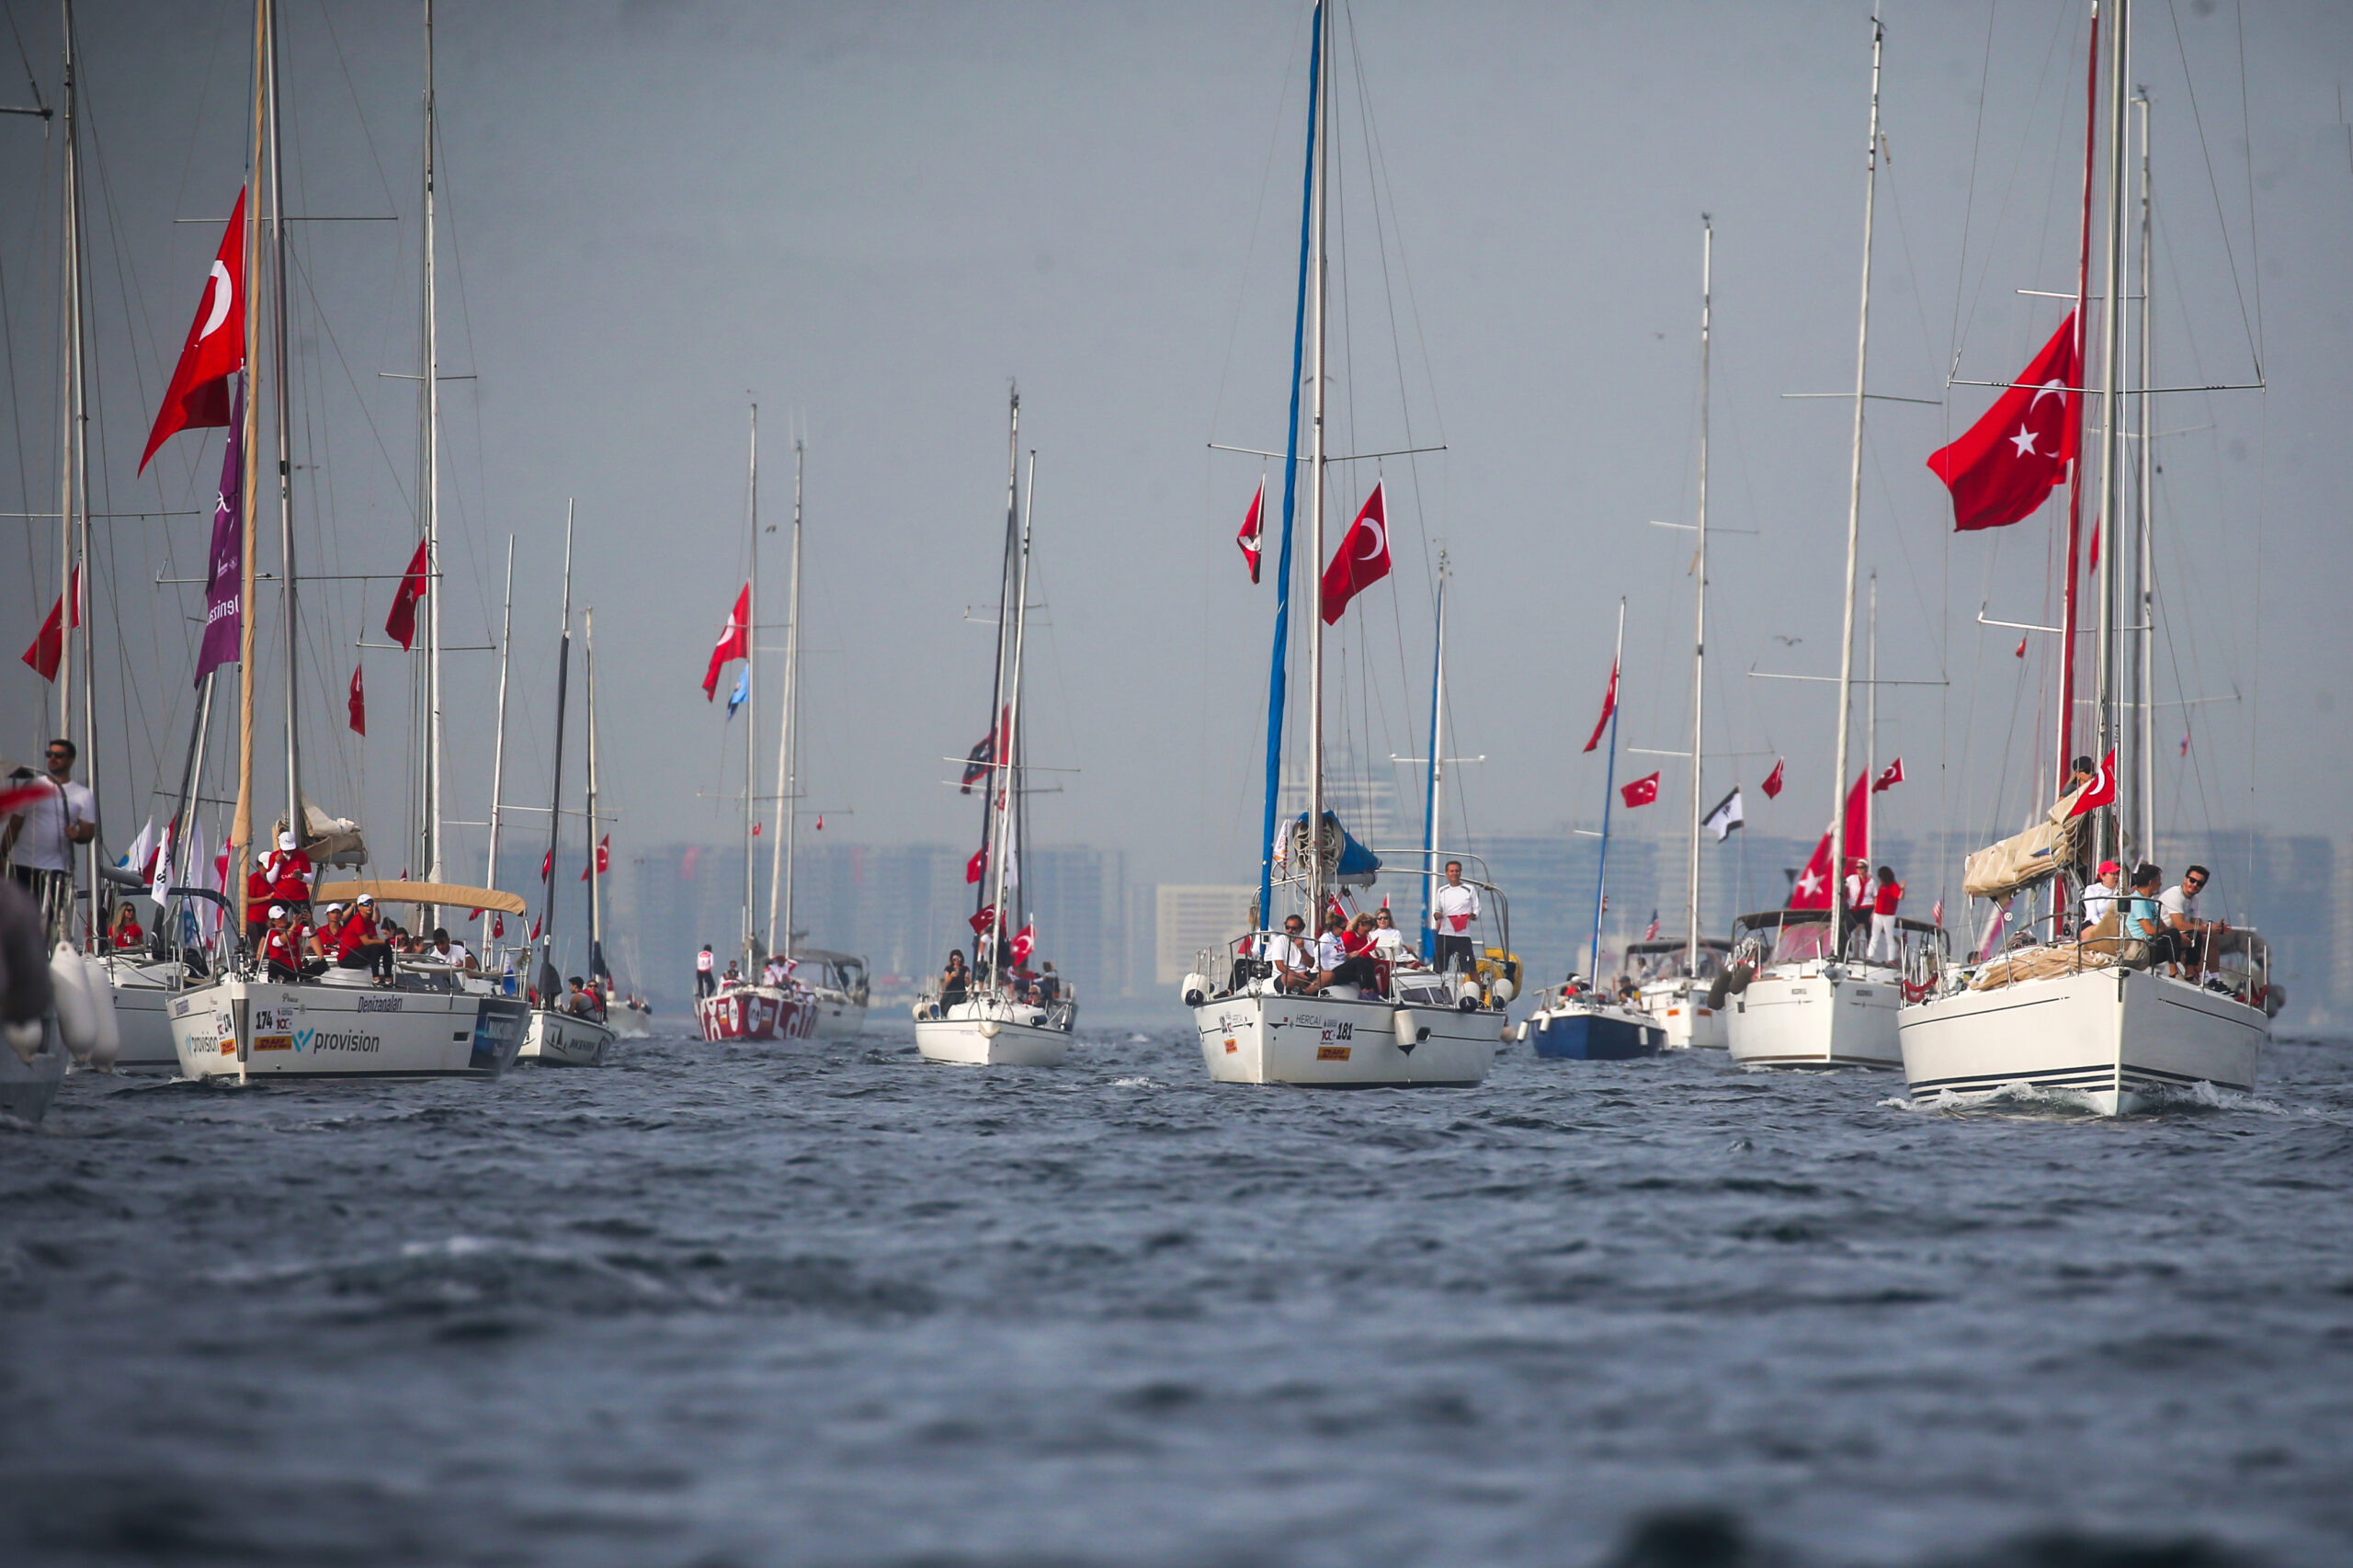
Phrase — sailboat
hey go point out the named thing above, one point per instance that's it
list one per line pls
(342, 1025)
(1410, 1025)
(2091, 1011)
(557, 1034)
(834, 984)
(1579, 1020)
(1674, 975)
(1005, 1015)
(1802, 990)
(752, 1008)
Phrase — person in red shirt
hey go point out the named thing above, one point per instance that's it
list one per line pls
(257, 903)
(288, 870)
(357, 943)
(125, 933)
(285, 948)
(1886, 896)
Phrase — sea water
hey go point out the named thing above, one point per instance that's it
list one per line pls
(740, 1304)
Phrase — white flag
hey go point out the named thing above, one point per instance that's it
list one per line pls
(1725, 817)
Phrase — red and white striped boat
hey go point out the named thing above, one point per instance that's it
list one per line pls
(754, 1012)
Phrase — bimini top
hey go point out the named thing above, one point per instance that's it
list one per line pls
(1766, 917)
(445, 893)
(1645, 950)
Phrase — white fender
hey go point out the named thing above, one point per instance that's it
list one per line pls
(1195, 990)
(77, 1018)
(108, 1044)
(1466, 994)
(1407, 1028)
(1503, 990)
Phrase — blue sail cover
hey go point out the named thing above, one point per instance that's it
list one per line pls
(1358, 867)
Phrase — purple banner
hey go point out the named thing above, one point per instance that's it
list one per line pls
(223, 600)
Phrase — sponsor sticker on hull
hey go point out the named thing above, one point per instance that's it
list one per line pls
(1333, 1053)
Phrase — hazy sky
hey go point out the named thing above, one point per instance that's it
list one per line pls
(871, 218)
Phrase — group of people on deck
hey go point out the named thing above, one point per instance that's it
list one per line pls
(350, 936)
(1360, 952)
(2163, 918)
(777, 973)
(1040, 987)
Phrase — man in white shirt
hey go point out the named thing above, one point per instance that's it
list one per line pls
(2102, 896)
(1451, 911)
(2178, 909)
(39, 839)
(444, 950)
(705, 982)
(1286, 950)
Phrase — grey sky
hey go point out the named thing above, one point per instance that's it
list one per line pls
(873, 216)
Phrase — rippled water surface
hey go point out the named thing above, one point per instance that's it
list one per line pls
(720, 1305)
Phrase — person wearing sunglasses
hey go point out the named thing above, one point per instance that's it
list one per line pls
(39, 838)
(2192, 936)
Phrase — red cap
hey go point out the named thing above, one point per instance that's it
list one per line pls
(2107, 866)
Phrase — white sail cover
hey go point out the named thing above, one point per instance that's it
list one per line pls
(2024, 860)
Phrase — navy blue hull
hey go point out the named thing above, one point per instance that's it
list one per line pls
(1583, 1037)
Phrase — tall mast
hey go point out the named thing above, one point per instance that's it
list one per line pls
(240, 832)
(498, 742)
(2065, 726)
(1853, 519)
(1007, 782)
(550, 981)
(1608, 788)
(2109, 520)
(1278, 663)
(751, 709)
(596, 860)
(73, 516)
(1000, 748)
(434, 752)
(787, 738)
(297, 820)
(1699, 616)
(2145, 587)
(1315, 494)
(1870, 723)
(1437, 773)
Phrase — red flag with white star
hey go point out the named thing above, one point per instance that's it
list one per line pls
(1641, 792)
(735, 641)
(1890, 777)
(198, 394)
(357, 704)
(1362, 560)
(400, 624)
(1609, 706)
(1773, 779)
(2007, 464)
(1813, 889)
(1249, 536)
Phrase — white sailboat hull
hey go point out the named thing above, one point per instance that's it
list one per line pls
(1680, 1007)
(1344, 1042)
(1799, 1016)
(560, 1039)
(142, 997)
(990, 1032)
(251, 1030)
(2120, 1038)
(838, 1016)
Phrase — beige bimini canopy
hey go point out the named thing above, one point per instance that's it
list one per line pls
(445, 893)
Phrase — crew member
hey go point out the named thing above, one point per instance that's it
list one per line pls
(1285, 952)
(284, 944)
(288, 870)
(1887, 947)
(955, 980)
(40, 836)
(1334, 964)
(125, 935)
(704, 985)
(1451, 911)
(2193, 937)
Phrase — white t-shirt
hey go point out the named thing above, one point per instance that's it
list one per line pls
(1453, 899)
(2096, 900)
(1330, 954)
(1281, 949)
(703, 962)
(2173, 900)
(41, 844)
(1388, 938)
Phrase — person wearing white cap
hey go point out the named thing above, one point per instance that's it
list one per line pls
(290, 872)
(284, 949)
(357, 943)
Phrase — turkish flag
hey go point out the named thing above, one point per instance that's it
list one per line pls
(2022, 649)
(1773, 779)
(978, 864)
(400, 625)
(1889, 776)
(358, 703)
(498, 925)
(1024, 942)
(2007, 463)
(1641, 792)
(1362, 561)
(215, 349)
(982, 920)
(547, 865)
(1608, 706)
(735, 641)
(1813, 889)
(2101, 792)
(1248, 537)
(604, 859)
(49, 646)
(535, 929)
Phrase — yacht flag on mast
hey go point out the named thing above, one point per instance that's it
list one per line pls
(49, 644)
(1363, 559)
(1249, 536)
(400, 624)
(2007, 464)
(1726, 817)
(734, 643)
(1608, 706)
(215, 349)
